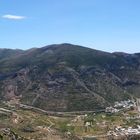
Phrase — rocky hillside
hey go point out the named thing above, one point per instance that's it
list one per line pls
(68, 77)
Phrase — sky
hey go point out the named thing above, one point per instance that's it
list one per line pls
(108, 25)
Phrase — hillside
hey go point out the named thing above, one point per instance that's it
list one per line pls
(68, 77)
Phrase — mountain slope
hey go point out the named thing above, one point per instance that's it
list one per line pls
(68, 77)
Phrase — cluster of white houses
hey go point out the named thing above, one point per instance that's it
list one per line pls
(119, 106)
(119, 131)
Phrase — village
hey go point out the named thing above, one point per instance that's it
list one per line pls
(130, 125)
(126, 106)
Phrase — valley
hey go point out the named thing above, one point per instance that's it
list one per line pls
(29, 123)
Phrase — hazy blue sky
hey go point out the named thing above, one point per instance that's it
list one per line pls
(109, 25)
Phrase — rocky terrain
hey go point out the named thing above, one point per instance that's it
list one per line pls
(66, 77)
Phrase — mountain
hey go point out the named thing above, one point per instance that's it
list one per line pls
(66, 77)
(6, 53)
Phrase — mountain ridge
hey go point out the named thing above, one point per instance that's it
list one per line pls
(66, 77)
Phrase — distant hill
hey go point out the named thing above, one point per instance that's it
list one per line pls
(66, 77)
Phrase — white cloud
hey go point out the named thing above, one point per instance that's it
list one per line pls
(14, 17)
